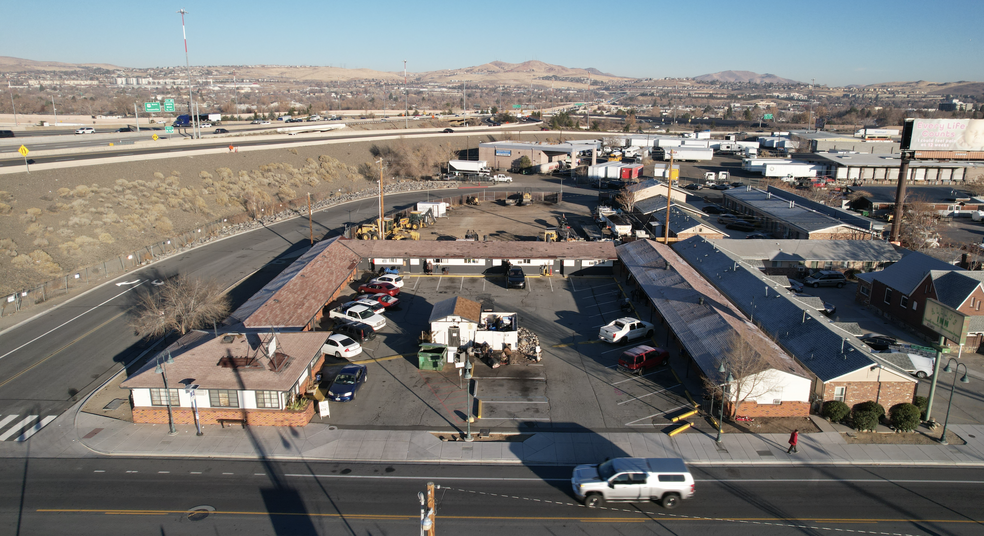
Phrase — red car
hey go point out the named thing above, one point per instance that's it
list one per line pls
(385, 300)
(379, 288)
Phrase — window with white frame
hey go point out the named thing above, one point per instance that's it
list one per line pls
(268, 399)
(864, 290)
(159, 397)
(888, 295)
(840, 393)
(223, 398)
(903, 301)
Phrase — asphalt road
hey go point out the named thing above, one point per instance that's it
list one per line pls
(128, 496)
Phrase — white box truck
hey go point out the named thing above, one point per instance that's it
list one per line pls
(469, 167)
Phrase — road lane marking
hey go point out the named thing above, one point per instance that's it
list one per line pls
(67, 322)
(18, 427)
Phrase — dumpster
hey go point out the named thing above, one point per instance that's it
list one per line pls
(432, 356)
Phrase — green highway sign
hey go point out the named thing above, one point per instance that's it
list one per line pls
(168, 105)
(169, 129)
(517, 106)
(767, 116)
(152, 107)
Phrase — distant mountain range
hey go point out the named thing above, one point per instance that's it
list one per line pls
(746, 77)
(492, 73)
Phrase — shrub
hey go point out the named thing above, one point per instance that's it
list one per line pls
(922, 403)
(905, 417)
(835, 410)
(870, 405)
(864, 421)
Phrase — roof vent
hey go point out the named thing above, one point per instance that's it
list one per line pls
(228, 339)
(700, 300)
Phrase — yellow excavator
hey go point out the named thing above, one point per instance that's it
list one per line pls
(550, 235)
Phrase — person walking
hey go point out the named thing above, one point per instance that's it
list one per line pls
(793, 439)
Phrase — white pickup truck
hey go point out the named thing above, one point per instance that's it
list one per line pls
(501, 178)
(625, 329)
(358, 313)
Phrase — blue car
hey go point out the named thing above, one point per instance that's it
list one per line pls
(347, 383)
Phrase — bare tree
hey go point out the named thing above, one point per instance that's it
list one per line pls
(920, 225)
(626, 199)
(180, 304)
(747, 373)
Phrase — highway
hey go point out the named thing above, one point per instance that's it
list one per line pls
(129, 496)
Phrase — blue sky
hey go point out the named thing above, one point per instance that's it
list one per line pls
(835, 42)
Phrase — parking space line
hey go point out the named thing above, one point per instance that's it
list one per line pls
(571, 281)
(637, 377)
(655, 414)
(515, 419)
(633, 399)
(462, 285)
(516, 401)
(439, 279)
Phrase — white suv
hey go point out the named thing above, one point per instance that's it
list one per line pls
(86, 130)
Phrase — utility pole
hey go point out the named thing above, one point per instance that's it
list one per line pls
(194, 118)
(12, 107)
(381, 230)
(406, 100)
(431, 515)
(54, 110)
(310, 223)
(669, 187)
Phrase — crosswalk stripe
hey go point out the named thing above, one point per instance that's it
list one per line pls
(17, 427)
(36, 428)
(7, 419)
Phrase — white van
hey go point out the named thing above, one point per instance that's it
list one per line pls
(666, 480)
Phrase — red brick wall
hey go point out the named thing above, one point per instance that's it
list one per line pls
(786, 409)
(886, 393)
(254, 417)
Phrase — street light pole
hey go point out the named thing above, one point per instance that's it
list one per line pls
(468, 377)
(406, 98)
(724, 392)
(191, 97)
(167, 392)
(953, 384)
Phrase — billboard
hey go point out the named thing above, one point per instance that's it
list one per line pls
(944, 135)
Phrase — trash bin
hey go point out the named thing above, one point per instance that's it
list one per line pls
(432, 356)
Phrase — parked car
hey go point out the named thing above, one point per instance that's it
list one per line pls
(877, 341)
(385, 300)
(340, 345)
(85, 130)
(720, 187)
(357, 331)
(393, 279)
(642, 358)
(737, 184)
(379, 288)
(625, 329)
(693, 186)
(741, 225)
(727, 219)
(758, 235)
(713, 209)
(220, 131)
(346, 384)
(515, 277)
(795, 286)
(373, 305)
(825, 278)
(448, 131)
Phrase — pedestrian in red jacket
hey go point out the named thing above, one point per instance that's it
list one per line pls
(793, 439)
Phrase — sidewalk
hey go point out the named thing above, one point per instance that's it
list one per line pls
(77, 434)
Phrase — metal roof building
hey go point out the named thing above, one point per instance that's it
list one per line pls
(786, 218)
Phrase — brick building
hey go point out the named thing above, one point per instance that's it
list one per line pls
(704, 326)
(797, 258)
(256, 378)
(900, 292)
(840, 366)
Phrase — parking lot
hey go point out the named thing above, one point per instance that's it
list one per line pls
(576, 384)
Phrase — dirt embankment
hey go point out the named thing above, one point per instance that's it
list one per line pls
(54, 222)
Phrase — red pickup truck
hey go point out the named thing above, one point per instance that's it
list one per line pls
(641, 358)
